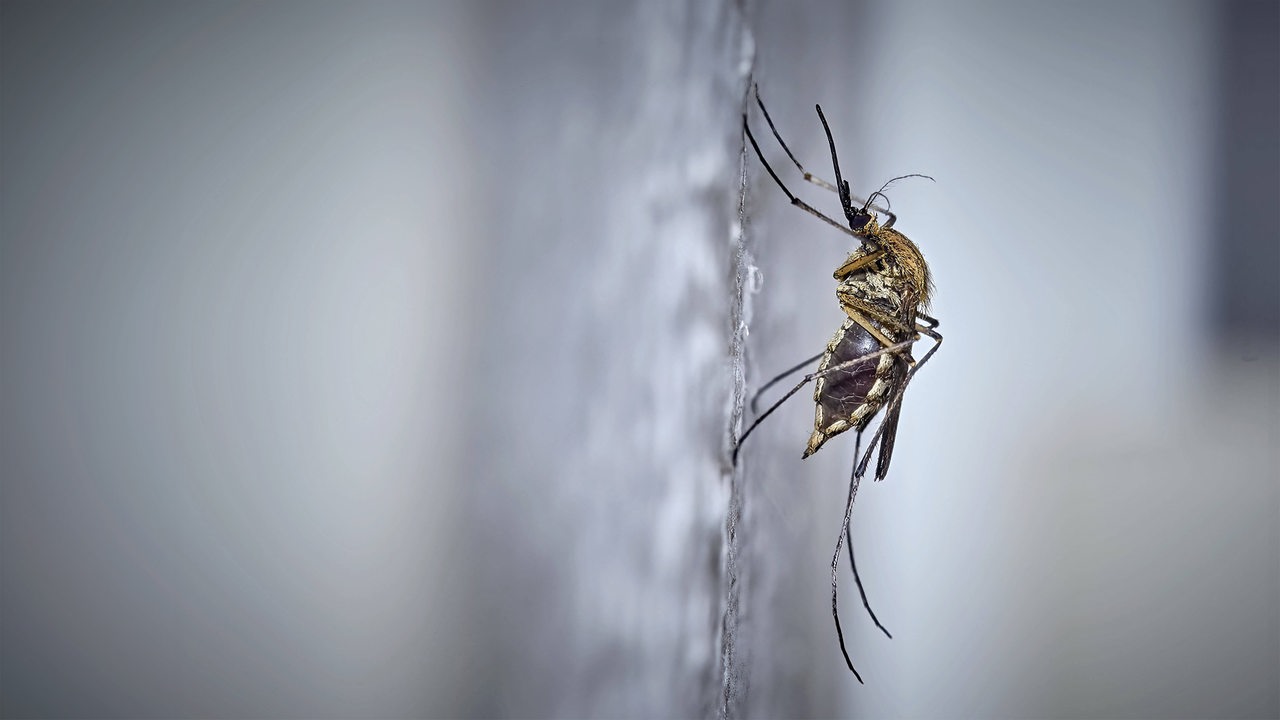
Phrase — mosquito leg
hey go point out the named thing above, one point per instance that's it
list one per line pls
(848, 535)
(808, 176)
(835, 563)
(932, 333)
(800, 366)
(738, 447)
(865, 603)
(794, 200)
(849, 301)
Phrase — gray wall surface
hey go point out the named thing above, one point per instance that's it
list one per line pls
(383, 360)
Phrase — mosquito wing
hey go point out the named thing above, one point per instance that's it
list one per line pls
(898, 384)
(890, 432)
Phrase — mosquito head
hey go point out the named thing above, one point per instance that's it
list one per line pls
(861, 219)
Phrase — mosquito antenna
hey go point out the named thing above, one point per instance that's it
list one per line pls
(904, 177)
(880, 192)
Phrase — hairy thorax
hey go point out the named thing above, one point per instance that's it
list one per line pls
(887, 269)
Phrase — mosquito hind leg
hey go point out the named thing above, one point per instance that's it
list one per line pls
(853, 564)
(737, 447)
(785, 374)
(854, 479)
(861, 591)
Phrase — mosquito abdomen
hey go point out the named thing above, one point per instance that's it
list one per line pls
(848, 398)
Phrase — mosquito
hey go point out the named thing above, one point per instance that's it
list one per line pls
(884, 288)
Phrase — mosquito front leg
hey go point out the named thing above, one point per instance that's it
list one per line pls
(794, 200)
(808, 176)
(857, 263)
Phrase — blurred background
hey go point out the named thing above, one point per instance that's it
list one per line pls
(383, 359)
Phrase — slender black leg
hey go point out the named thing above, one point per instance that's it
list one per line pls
(786, 374)
(794, 200)
(858, 579)
(854, 479)
(859, 468)
(808, 176)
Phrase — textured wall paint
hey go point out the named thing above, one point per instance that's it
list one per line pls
(599, 499)
(368, 359)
